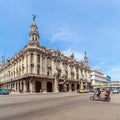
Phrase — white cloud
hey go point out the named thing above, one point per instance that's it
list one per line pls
(64, 33)
(57, 36)
(77, 55)
(99, 66)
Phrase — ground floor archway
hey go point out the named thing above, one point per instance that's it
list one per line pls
(61, 88)
(73, 87)
(49, 87)
(27, 86)
(37, 86)
(78, 86)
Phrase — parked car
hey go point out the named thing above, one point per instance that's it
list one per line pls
(83, 91)
(115, 91)
(86, 90)
(4, 92)
(93, 90)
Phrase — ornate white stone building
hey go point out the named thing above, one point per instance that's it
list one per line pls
(39, 69)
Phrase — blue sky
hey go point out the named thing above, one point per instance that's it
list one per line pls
(73, 26)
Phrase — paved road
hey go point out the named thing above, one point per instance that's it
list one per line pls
(69, 106)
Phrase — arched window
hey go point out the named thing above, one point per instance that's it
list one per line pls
(32, 68)
(38, 58)
(38, 69)
(48, 61)
(58, 64)
(26, 59)
(23, 69)
(43, 65)
(32, 57)
(48, 73)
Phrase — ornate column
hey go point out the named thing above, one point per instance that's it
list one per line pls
(56, 85)
(64, 77)
(56, 81)
(74, 72)
(83, 71)
(29, 63)
(61, 66)
(32, 85)
(10, 72)
(52, 66)
(20, 66)
(69, 73)
(45, 72)
(35, 62)
(70, 89)
(80, 74)
(15, 86)
(75, 87)
(24, 86)
(41, 64)
(18, 86)
(15, 69)
(81, 84)
(44, 90)
(25, 64)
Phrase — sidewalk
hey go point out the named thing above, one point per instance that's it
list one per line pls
(46, 93)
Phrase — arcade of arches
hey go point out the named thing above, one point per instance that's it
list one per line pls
(41, 85)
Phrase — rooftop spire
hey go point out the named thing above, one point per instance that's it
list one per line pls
(85, 60)
(85, 53)
(34, 34)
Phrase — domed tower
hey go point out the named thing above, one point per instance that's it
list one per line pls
(85, 60)
(34, 34)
